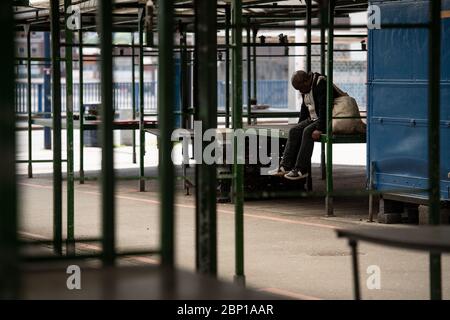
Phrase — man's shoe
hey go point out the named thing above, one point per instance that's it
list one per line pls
(278, 172)
(295, 175)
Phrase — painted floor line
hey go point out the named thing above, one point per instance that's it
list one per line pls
(250, 215)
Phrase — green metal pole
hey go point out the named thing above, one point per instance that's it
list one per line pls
(323, 19)
(249, 75)
(227, 65)
(107, 116)
(141, 102)
(196, 117)
(238, 169)
(56, 104)
(330, 100)
(207, 90)
(81, 98)
(255, 81)
(9, 273)
(184, 78)
(30, 140)
(434, 71)
(308, 68)
(133, 92)
(166, 80)
(308, 35)
(185, 98)
(69, 130)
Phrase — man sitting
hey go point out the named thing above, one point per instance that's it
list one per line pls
(312, 123)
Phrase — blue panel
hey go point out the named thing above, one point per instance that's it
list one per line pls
(398, 98)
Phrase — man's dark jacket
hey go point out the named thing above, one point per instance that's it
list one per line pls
(319, 89)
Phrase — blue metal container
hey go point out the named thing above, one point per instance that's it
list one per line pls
(397, 142)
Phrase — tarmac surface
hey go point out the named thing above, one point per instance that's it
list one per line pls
(291, 248)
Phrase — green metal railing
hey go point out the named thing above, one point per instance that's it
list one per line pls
(56, 109)
(141, 99)
(238, 169)
(330, 102)
(206, 38)
(166, 125)
(30, 141)
(204, 109)
(9, 251)
(434, 148)
(108, 181)
(70, 247)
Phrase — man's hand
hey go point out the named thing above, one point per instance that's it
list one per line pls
(316, 135)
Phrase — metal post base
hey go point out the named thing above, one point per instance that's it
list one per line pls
(30, 171)
(370, 209)
(329, 206)
(141, 185)
(81, 177)
(57, 248)
(70, 248)
(239, 280)
(323, 169)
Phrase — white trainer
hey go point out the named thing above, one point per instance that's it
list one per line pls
(278, 172)
(295, 175)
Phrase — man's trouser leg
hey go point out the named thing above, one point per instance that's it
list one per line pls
(306, 148)
(293, 144)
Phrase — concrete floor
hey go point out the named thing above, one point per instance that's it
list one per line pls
(291, 249)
